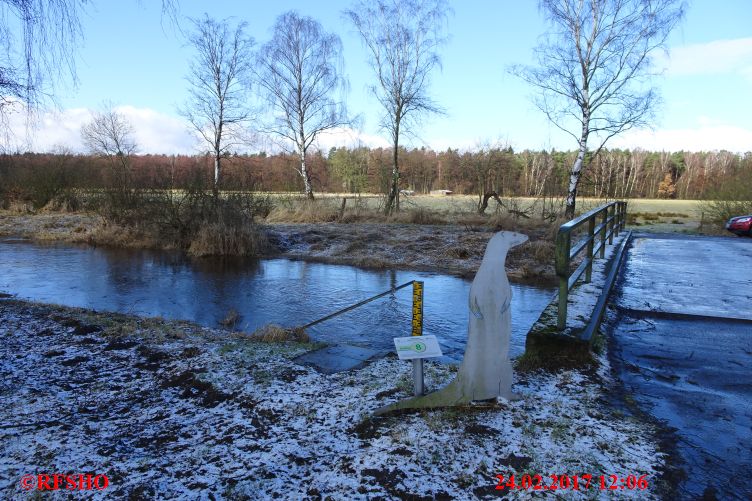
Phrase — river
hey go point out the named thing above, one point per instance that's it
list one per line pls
(281, 291)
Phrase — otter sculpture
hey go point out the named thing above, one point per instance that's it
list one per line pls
(486, 371)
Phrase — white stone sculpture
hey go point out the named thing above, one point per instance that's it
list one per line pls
(486, 371)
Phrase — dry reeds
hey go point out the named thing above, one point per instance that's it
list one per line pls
(115, 235)
(272, 333)
(542, 251)
(309, 211)
(419, 216)
(231, 319)
(217, 239)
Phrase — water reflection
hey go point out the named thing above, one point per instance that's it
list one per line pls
(278, 291)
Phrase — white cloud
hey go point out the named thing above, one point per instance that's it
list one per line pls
(711, 58)
(154, 132)
(709, 136)
(49, 130)
(348, 137)
(159, 133)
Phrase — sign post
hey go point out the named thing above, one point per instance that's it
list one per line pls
(417, 346)
(418, 331)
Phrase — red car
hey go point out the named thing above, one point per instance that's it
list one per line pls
(740, 225)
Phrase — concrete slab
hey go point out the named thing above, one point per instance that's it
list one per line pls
(683, 351)
(694, 375)
(337, 358)
(710, 277)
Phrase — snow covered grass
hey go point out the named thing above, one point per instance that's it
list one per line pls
(172, 410)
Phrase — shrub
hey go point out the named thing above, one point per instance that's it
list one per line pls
(722, 210)
(192, 219)
(734, 199)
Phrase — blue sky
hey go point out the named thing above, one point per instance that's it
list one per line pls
(137, 60)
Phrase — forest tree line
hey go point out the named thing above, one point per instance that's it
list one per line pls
(612, 173)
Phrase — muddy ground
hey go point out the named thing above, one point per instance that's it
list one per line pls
(450, 249)
(171, 410)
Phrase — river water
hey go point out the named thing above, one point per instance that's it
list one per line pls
(281, 291)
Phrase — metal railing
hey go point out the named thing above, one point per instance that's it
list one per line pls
(612, 217)
(373, 298)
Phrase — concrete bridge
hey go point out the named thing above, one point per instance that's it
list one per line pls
(678, 322)
(680, 331)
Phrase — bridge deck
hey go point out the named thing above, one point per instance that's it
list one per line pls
(685, 356)
(690, 275)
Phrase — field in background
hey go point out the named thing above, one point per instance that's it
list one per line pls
(684, 216)
(353, 237)
(465, 203)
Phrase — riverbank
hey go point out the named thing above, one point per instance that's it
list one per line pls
(446, 248)
(170, 409)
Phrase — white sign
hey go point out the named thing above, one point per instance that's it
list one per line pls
(412, 347)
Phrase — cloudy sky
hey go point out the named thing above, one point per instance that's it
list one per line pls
(137, 61)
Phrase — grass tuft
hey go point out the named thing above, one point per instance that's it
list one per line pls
(272, 333)
(231, 319)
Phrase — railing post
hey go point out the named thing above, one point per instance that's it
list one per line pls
(624, 215)
(563, 243)
(610, 226)
(617, 219)
(602, 252)
(590, 247)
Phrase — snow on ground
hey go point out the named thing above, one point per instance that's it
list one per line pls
(170, 410)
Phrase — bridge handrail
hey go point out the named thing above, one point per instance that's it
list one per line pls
(613, 218)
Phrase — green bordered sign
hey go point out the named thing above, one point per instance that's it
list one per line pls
(415, 347)
(417, 309)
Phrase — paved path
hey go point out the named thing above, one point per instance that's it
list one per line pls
(682, 333)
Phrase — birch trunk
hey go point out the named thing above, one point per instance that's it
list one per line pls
(393, 199)
(217, 168)
(574, 175)
(306, 177)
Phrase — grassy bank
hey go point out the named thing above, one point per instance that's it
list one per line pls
(436, 233)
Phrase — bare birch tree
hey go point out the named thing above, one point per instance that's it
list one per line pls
(403, 38)
(218, 81)
(110, 135)
(593, 69)
(300, 72)
(37, 44)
